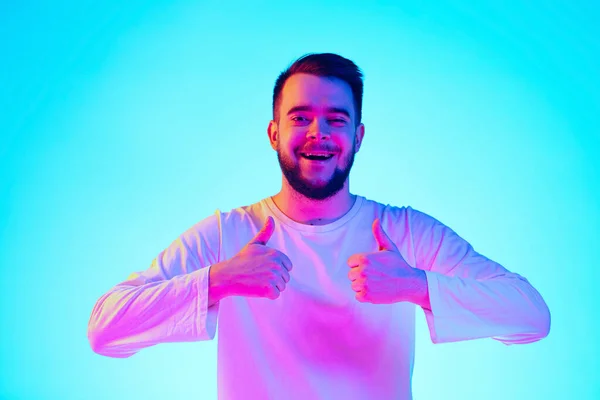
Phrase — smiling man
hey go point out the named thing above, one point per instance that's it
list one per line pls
(315, 289)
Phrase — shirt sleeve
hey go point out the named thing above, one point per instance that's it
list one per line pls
(168, 302)
(472, 296)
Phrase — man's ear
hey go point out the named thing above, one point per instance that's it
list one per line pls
(273, 132)
(358, 136)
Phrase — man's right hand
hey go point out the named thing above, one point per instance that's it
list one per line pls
(256, 271)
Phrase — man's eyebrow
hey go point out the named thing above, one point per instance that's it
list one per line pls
(339, 110)
(330, 110)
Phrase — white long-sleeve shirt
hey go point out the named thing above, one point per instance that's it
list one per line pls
(316, 341)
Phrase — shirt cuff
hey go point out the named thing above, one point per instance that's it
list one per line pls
(207, 316)
(435, 316)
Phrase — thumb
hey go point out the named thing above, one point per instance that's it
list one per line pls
(383, 240)
(265, 233)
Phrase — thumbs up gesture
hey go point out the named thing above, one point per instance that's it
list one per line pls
(256, 271)
(382, 277)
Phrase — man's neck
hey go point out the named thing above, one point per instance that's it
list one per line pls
(312, 212)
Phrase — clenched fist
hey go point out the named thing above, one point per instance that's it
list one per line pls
(256, 271)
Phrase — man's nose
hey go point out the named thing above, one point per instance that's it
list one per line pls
(318, 129)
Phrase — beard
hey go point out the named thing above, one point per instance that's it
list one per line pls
(311, 190)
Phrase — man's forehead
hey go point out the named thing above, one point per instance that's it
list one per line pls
(315, 92)
(316, 89)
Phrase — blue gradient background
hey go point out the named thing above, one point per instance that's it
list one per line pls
(123, 123)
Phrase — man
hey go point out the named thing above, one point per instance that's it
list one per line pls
(315, 288)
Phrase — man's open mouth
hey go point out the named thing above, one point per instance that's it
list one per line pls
(317, 156)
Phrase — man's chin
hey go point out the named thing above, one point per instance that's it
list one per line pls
(318, 185)
(316, 192)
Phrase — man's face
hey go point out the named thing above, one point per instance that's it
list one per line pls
(315, 136)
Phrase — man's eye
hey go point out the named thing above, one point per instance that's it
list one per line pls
(337, 120)
(299, 119)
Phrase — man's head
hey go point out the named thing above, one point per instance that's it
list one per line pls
(317, 105)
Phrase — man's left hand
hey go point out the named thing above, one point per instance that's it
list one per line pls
(382, 277)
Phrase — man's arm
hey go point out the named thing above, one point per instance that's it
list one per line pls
(466, 295)
(169, 302)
